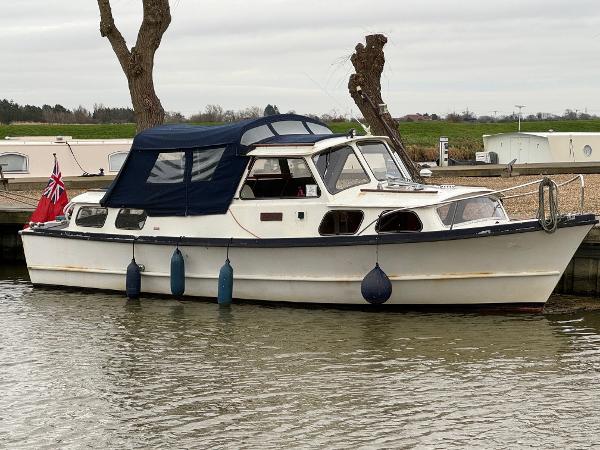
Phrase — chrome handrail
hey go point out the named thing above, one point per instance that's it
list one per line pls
(581, 190)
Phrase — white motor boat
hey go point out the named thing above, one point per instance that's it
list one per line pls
(303, 215)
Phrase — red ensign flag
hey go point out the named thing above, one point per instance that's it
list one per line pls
(54, 198)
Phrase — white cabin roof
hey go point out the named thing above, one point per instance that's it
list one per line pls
(93, 196)
(266, 150)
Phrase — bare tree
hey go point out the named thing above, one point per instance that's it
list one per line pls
(138, 63)
(365, 89)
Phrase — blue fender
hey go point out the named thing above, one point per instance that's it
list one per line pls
(177, 273)
(133, 280)
(225, 295)
(376, 287)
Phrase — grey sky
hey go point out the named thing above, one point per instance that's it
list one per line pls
(442, 56)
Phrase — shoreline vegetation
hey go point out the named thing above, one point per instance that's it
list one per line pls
(421, 138)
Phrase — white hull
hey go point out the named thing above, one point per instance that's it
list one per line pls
(519, 267)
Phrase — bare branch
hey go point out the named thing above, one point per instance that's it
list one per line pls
(138, 63)
(109, 30)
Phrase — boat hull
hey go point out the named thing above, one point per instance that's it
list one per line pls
(495, 265)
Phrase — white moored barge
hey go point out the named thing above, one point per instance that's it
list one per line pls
(33, 156)
(304, 216)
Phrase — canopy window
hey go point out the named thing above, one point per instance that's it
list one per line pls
(168, 168)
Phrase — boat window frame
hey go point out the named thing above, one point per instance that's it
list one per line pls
(401, 167)
(457, 202)
(358, 158)
(362, 219)
(83, 207)
(302, 158)
(23, 155)
(138, 228)
(392, 212)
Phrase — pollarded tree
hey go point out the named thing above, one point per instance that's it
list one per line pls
(138, 62)
(365, 89)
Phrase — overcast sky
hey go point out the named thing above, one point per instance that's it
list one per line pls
(442, 55)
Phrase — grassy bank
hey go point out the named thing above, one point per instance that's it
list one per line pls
(421, 138)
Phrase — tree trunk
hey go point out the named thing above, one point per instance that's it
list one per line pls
(365, 89)
(138, 63)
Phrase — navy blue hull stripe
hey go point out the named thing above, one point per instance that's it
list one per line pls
(327, 241)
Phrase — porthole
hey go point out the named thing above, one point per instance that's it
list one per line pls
(116, 160)
(587, 150)
(399, 222)
(130, 219)
(91, 216)
(14, 163)
(341, 222)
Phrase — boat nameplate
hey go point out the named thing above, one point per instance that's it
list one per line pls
(271, 217)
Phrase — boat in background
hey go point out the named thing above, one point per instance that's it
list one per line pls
(30, 156)
(298, 214)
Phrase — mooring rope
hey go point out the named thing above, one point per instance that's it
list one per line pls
(549, 223)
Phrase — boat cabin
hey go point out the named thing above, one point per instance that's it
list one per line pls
(276, 177)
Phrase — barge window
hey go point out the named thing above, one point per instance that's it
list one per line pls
(279, 178)
(480, 208)
(340, 169)
(91, 216)
(169, 168)
(130, 219)
(205, 162)
(380, 160)
(116, 160)
(398, 222)
(14, 162)
(341, 222)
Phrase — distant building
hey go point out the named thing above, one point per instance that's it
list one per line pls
(415, 117)
(536, 147)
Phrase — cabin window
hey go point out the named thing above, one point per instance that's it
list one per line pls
(380, 160)
(279, 178)
(14, 163)
(341, 222)
(91, 216)
(398, 222)
(205, 162)
(116, 160)
(169, 168)
(480, 208)
(340, 169)
(130, 219)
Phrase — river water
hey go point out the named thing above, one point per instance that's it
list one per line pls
(98, 371)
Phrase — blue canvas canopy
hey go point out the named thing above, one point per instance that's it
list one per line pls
(195, 170)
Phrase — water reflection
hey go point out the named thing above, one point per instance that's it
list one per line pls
(99, 370)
